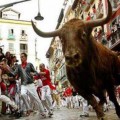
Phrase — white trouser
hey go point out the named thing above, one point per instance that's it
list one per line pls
(30, 88)
(85, 106)
(7, 100)
(46, 96)
(75, 101)
(68, 99)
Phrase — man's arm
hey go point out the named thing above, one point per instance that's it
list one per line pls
(33, 71)
(42, 73)
(0, 75)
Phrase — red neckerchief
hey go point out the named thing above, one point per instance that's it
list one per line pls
(24, 64)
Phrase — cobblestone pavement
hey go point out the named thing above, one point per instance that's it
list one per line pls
(66, 114)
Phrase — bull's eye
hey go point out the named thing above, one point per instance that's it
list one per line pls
(76, 56)
(83, 36)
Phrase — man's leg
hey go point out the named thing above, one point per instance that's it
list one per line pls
(24, 97)
(7, 100)
(33, 93)
(49, 97)
(49, 100)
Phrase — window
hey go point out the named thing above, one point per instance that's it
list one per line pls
(23, 48)
(11, 47)
(11, 34)
(23, 35)
(23, 32)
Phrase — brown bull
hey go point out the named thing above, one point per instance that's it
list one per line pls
(91, 67)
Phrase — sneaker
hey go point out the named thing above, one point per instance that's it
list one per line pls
(50, 113)
(43, 115)
(84, 115)
(17, 114)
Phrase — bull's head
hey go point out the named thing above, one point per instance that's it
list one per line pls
(75, 35)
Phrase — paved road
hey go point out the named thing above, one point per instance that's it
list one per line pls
(66, 114)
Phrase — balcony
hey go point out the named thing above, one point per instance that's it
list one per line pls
(114, 40)
(11, 37)
(23, 38)
(58, 77)
(63, 78)
(99, 13)
(101, 37)
(23, 51)
(91, 1)
(115, 4)
(85, 6)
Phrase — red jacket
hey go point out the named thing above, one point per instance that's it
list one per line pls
(45, 79)
(3, 86)
(68, 92)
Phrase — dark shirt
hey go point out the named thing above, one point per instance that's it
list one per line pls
(24, 73)
(2, 56)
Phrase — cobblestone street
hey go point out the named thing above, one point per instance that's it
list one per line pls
(66, 114)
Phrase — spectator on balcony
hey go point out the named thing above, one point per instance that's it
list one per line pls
(100, 6)
(112, 29)
(118, 27)
(84, 2)
(104, 39)
(88, 17)
(94, 12)
(99, 31)
(115, 27)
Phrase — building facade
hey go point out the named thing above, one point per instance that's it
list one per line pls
(17, 36)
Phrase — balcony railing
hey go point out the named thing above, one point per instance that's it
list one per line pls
(11, 37)
(115, 4)
(23, 51)
(23, 38)
(99, 12)
(86, 5)
(64, 77)
(114, 38)
(91, 1)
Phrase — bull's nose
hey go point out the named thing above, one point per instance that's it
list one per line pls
(76, 56)
(72, 57)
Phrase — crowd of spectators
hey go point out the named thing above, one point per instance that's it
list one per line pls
(7, 87)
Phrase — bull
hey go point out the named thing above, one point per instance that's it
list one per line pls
(91, 67)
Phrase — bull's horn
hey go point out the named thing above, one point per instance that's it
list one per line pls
(99, 22)
(45, 34)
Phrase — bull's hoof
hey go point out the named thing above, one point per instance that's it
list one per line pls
(103, 118)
